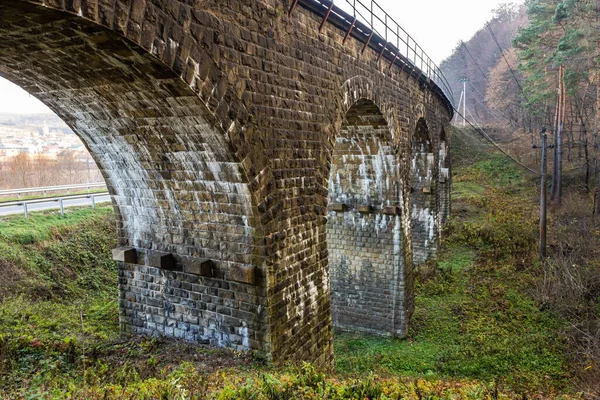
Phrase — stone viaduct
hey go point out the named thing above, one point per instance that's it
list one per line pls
(272, 175)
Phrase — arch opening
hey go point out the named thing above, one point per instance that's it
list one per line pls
(186, 218)
(424, 218)
(365, 240)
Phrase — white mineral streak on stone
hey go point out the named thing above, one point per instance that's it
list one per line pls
(426, 216)
(173, 45)
(444, 173)
(381, 223)
(116, 156)
(215, 168)
(398, 265)
(430, 164)
(244, 332)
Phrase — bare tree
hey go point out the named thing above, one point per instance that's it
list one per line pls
(20, 169)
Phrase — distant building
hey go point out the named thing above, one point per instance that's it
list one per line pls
(11, 151)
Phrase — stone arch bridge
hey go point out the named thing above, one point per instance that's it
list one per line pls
(244, 145)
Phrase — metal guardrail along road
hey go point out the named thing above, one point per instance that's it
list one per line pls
(374, 27)
(26, 206)
(43, 189)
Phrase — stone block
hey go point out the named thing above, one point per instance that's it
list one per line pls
(364, 209)
(160, 260)
(391, 210)
(242, 273)
(199, 266)
(125, 254)
(338, 207)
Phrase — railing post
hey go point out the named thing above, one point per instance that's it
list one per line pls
(62, 207)
(93, 202)
(386, 28)
(25, 209)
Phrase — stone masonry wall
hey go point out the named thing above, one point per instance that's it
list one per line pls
(214, 124)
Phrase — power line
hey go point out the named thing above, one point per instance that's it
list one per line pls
(482, 103)
(483, 133)
(476, 63)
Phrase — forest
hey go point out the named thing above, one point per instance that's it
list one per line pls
(537, 67)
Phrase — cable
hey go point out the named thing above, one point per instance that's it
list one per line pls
(477, 64)
(489, 139)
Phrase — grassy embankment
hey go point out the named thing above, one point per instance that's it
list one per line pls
(476, 332)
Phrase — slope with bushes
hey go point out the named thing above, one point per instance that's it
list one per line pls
(479, 330)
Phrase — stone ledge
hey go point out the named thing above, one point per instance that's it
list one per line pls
(199, 266)
(340, 207)
(243, 274)
(391, 210)
(364, 209)
(160, 260)
(125, 254)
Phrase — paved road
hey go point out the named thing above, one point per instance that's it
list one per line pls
(51, 203)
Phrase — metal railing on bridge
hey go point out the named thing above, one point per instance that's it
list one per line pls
(366, 21)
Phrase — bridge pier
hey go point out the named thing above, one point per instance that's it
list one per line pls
(365, 237)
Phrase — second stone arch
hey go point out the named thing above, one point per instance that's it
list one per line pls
(365, 234)
(424, 191)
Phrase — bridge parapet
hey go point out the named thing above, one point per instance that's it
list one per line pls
(367, 22)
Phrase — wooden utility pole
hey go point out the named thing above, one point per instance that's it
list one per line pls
(542, 241)
(597, 134)
(558, 148)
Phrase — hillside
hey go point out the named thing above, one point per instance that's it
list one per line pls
(482, 60)
(479, 328)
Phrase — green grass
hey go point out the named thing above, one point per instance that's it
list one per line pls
(15, 229)
(476, 331)
(467, 190)
(474, 317)
(60, 256)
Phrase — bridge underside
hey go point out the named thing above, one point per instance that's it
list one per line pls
(240, 148)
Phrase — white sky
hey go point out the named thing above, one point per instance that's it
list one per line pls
(437, 25)
(15, 100)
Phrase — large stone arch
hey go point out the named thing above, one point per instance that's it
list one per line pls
(192, 256)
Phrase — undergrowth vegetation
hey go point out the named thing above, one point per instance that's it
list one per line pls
(487, 321)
